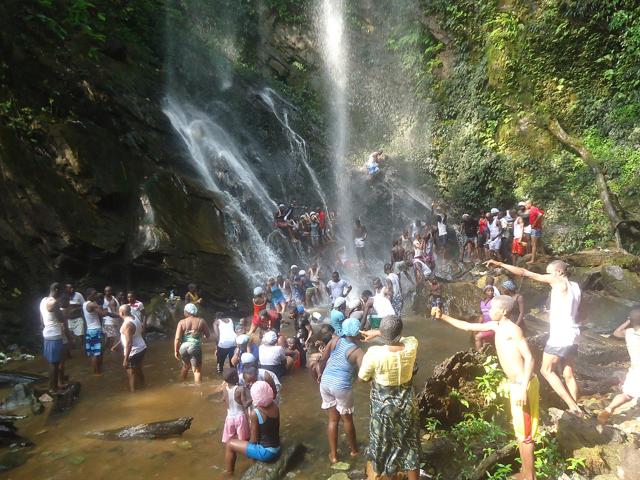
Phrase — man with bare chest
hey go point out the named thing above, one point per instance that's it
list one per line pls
(517, 363)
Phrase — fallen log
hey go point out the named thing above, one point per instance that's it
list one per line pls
(505, 454)
(147, 431)
(278, 469)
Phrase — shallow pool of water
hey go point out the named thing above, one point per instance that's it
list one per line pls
(63, 451)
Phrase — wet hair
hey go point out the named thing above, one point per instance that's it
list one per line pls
(367, 293)
(504, 302)
(335, 272)
(54, 288)
(376, 281)
(387, 267)
(390, 329)
(231, 376)
(558, 265)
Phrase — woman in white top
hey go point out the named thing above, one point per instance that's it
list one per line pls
(224, 330)
(134, 347)
(272, 357)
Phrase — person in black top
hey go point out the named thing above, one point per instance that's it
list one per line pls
(469, 228)
(264, 418)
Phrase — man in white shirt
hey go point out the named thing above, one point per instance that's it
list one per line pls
(336, 287)
(74, 310)
(137, 309)
(53, 333)
(561, 348)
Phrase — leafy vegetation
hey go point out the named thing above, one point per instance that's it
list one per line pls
(515, 68)
(481, 433)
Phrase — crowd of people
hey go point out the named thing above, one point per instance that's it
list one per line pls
(328, 324)
(312, 228)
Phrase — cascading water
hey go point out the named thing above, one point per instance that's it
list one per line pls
(226, 173)
(333, 42)
(297, 144)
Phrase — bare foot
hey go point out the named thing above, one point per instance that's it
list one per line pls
(333, 459)
(355, 453)
(530, 262)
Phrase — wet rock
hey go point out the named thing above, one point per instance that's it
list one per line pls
(629, 467)
(274, 471)
(435, 401)
(12, 378)
(147, 431)
(63, 399)
(620, 282)
(22, 398)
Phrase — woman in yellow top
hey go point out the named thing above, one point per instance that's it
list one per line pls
(394, 423)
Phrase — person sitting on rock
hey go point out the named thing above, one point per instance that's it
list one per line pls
(372, 165)
(517, 362)
(630, 331)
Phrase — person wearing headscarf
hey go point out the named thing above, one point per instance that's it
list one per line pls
(272, 356)
(509, 287)
(394, 426)
(188, 342)
(340, 359)
(264, 420)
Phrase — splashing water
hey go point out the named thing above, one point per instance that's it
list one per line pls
(333, 42)
(223, 171)
(297, 144)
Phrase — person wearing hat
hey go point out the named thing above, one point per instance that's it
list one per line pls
(340, 359)
(272, 357)
(251, 374)
(337, 314)
(242, 346)
(561, 348)
(509, 288)
(259, 302)
(188, 342)
(264, 421)
(394, 424)
(225, 334)
(469, 227)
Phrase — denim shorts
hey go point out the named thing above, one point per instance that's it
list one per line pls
(536, 233)
(256, 451)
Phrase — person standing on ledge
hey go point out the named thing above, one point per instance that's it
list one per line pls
(561, 348)
(517, 363)
(535, 219)
(360, 236)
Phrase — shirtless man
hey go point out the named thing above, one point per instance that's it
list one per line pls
(398, 257)
(561, 348)
(134, 347)
(188, 342)
(517, 363)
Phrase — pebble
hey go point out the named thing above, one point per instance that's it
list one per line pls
(340, 466)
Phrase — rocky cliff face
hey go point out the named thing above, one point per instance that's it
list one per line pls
(95, 188)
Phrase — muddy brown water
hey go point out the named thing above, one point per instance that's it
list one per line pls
(63, 451)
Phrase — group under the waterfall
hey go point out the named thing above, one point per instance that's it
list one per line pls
(322, 318)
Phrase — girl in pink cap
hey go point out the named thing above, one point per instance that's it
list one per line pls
(264, 419)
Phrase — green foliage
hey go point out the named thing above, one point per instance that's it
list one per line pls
(491, 384)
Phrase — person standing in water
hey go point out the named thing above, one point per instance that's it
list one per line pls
(393, 286)
(137, 309)
(53, 332)
(340, 359)
(517, 363)
(360, 236)
(93, 314)
(75, 300)
(134, 347)
(394, 426)
(561, 348)
(188, 342)
(225, 334)
(110, 323)
(337, 287)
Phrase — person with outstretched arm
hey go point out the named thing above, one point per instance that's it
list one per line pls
(561, 348)
(517, 363)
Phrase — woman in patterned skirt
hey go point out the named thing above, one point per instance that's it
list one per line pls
(394, 424)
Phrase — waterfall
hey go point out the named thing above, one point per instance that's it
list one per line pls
(297, 144)
(333, 43)
(225, 172)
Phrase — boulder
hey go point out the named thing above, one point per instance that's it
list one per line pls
(621, 282)
(277, 470)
